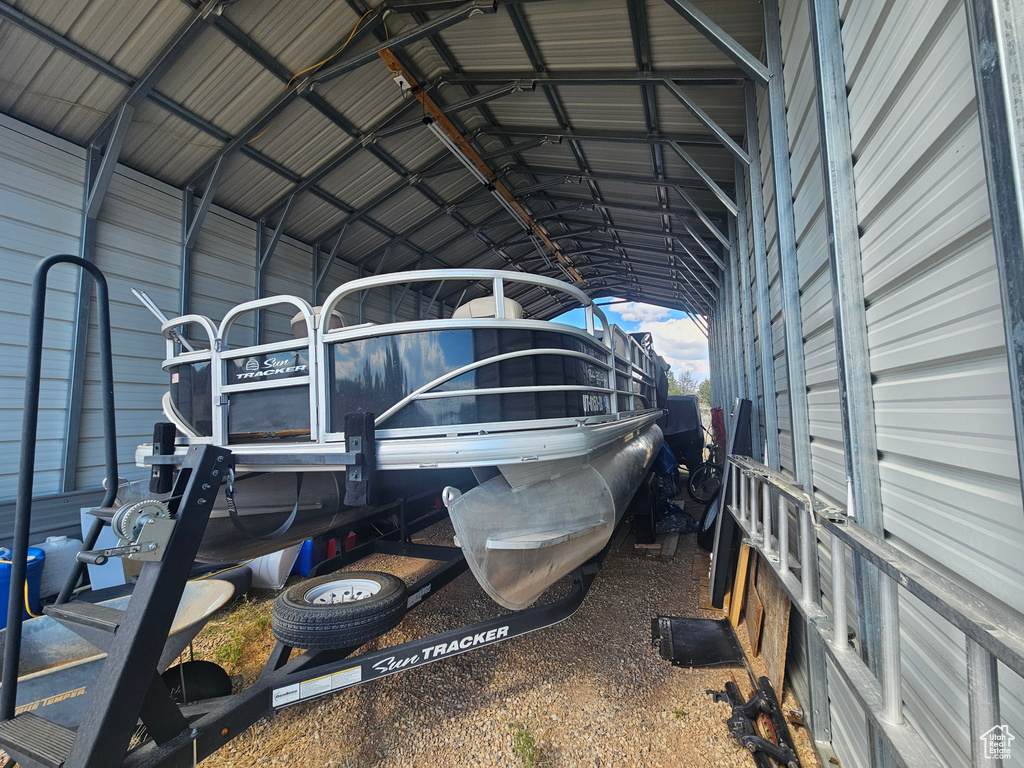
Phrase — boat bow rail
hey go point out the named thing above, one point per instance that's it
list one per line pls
(282, 404)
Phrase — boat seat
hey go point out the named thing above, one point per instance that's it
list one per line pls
(484, 307)
(299, 322)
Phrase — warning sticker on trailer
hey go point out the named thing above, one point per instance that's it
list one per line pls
(318, 686)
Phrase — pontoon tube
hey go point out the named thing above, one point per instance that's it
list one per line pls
(520, 541)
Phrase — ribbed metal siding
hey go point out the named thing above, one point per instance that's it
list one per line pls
(137, 246)
(223, 270)
(949, 481)
(41, 189)
(950, 487)
(812, 256)
(772, 243)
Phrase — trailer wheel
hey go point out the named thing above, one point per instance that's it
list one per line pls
(339, 610)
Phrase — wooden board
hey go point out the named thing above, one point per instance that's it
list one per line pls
(754, 614)
(739, 588)
(775, 633)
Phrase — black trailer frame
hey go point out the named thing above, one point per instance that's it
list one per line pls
(129, 688)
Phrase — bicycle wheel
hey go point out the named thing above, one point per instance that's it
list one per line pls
(704, 483)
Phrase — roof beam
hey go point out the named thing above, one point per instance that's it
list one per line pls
(723, 137)
(711, 184)
(457, 144)
(722, 40)
(695, 76)
(655, 252)
(668, 235)
(529, 44)
(172, 51)
(108, 70)
(686, 139)
(508, 89)
(606, 177)
(460, 13)
(642, 53)
(303, 88)
(714, 230)
(613, 207)
(621, 287)
(336, 160)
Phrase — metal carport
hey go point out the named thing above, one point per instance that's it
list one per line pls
(832, 189)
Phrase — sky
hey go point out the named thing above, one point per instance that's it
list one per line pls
(676, 337)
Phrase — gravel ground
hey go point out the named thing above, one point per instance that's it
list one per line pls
(590, 691)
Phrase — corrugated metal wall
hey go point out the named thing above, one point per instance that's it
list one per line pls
(41, 192)
(950, 488)
(138, 245)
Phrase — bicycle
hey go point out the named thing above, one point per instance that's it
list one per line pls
(706, 478)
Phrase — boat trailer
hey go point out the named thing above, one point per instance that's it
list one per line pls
(129, 688)
(166, 537)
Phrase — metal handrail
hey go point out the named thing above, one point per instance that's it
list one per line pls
(26, 470)
(169, 329)
(994, 631)
(456, 372)
(251, 306)
(497, 276)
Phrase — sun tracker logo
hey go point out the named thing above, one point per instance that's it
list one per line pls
(997, 742)
(252, 364)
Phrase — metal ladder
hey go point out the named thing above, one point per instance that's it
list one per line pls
(760, 499)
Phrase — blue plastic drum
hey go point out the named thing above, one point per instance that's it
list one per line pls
(34, 574)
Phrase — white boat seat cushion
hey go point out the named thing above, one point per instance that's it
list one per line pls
(299, 322)
(484, 307)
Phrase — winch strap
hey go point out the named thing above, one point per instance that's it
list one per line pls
(237, 520)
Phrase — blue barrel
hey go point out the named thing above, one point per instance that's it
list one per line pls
(33, 572)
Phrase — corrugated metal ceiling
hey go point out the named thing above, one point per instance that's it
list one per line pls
(240, 64)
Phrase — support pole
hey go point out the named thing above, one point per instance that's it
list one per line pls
(746, 313)
(994, 28)
(762, 297)
(851, 331)
(789, 274)
(100, 164)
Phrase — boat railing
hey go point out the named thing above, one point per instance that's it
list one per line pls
(238, 371)
(426, 392)
(261, 359)
(171, 333)
(498, 280)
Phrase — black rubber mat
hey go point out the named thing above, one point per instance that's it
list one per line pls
(695, 642)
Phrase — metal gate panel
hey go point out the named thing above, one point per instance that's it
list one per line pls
(41, 190)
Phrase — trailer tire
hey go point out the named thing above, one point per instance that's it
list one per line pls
(340, 610)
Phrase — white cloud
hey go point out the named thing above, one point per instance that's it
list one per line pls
(682, 345)
(643, 313)
(676, 337)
